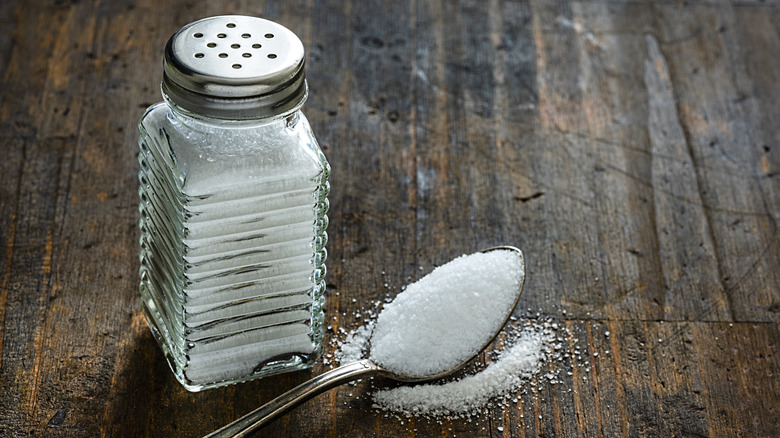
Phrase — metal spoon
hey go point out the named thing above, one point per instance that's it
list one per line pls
(270, 411)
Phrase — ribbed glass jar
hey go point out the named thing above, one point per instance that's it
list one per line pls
(233, 218)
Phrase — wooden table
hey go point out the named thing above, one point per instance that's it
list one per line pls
(630, 148)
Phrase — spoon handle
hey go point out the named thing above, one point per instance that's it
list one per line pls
(263, 415)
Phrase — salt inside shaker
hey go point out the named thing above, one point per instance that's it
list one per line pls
(233, 189)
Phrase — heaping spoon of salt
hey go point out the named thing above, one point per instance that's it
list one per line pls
(431, 330)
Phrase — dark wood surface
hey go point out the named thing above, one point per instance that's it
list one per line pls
(630, 148)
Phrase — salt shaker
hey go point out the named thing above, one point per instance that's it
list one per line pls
(233, 189)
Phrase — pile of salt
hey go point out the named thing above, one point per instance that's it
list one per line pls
(441, 319)
(466, 396)
(449, 315)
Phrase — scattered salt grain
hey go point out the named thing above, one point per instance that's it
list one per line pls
(355, 345)
(466, 396)
(449, 315)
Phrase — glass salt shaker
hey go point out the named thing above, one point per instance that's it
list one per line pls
(233, 190)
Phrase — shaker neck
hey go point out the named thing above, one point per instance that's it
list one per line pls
(194, 120)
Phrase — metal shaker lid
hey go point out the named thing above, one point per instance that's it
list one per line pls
(235, 67)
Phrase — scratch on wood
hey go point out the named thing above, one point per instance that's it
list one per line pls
(521, 418)
(556, 403)
(46, 265)
(40, 331)
(679, 231)
(619, 377)
(594, 377)
(6, 278)
(412, 157)
(576, 379)
(525, 199)
(654, 384)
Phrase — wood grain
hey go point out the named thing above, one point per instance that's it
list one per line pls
(630, 148)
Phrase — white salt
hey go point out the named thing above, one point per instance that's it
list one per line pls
(467, 396)
(449, 310)
(355, 345)
(449, 315)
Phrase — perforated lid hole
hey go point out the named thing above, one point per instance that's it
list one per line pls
(246, 35)
(212, 45)
(236, 66)
(247, 55)
(199, 55)
(230, 25)
(235, 46)
(269, 35)
(272, 56)
(223, 55)
(256, 46)
(198, 35)
(221, 35)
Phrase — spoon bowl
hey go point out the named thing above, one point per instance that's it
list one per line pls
(270, 411)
